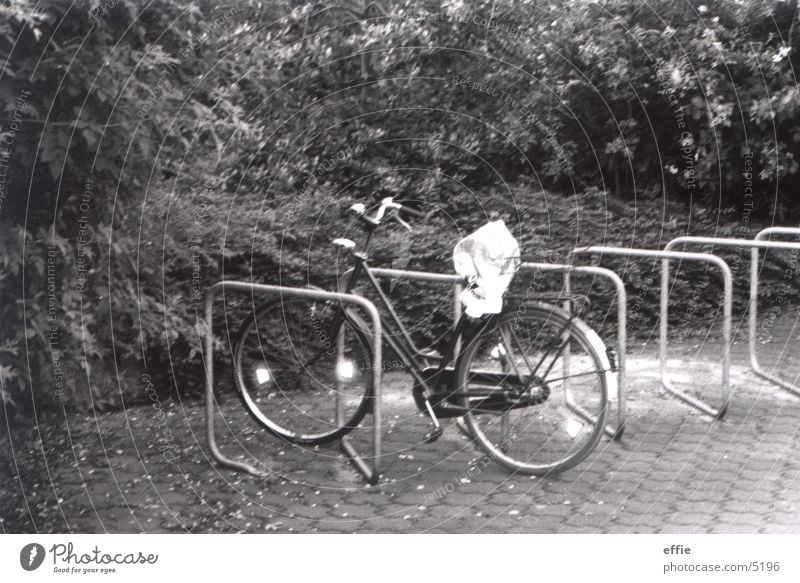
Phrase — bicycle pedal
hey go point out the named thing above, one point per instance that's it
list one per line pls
(433, 434)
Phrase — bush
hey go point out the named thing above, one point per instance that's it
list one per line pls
(94, 88)
(159, 146)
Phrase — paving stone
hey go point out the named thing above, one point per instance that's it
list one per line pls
(706, 507)
(741, 507)
(727, 528)
(786, 518)
(677, 529)
(781, 529)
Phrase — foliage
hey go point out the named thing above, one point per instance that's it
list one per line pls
(159, 146)
(91, 90)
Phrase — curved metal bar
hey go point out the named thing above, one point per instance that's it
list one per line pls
(754, 281)
(777, 231)
(371, 474)
(622, 330)
(727, 242)
(666, 257)
(755, 245)
(418, 275)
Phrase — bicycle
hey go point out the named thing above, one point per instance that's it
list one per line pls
(529, 385)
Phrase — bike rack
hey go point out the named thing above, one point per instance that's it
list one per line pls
(458, 281)
(666, 257)
(371, 474)
(754, 364)
(622, 332)
(754, 245)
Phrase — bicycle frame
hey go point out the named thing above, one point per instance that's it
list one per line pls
(403, 346)
(434, 384)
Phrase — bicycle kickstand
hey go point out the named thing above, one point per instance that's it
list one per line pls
(436, 431)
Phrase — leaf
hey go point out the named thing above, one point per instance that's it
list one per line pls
(90, 137)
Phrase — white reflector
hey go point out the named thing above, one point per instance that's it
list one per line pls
(573, 427)
(262, 376)
(498, 351)
(345, 370)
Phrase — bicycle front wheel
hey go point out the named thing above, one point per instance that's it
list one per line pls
(291, 376)
(535, 383)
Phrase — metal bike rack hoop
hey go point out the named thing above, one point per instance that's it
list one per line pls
(754, 281)
(371, 474)
(754, 245)
(622, 332)
(666, 257)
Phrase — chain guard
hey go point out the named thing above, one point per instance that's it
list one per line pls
(447, 402)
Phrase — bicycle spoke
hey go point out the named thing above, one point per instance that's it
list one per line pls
(546, 349)
(561, 348)
(276, 358)
(522, 351)
(596, 372)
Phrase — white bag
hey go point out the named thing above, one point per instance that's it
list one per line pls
(489, 258)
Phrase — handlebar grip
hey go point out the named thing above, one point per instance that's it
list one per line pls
(410, 212)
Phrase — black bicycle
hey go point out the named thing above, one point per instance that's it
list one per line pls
(530, 384)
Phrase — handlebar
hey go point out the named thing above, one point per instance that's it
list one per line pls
(410, 212)
(387, 204)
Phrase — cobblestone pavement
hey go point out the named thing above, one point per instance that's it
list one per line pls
(673, 471)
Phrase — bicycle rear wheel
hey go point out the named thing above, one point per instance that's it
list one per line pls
(535, 383)
(290, 377)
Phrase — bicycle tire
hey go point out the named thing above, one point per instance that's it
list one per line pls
(288, 378)
(550, 435)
